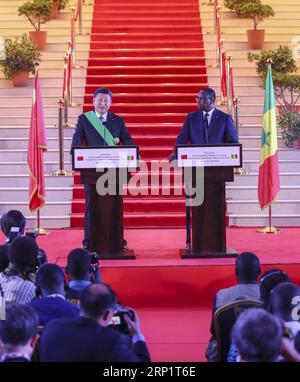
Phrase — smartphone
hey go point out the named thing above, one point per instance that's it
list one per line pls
(14, 232)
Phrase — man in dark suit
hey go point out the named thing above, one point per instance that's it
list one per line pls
(114, 127)
(18, 333)
(88, 337)
(208, 125)
(51, 291)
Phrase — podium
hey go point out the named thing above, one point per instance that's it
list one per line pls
(217, 163)
(106, 171)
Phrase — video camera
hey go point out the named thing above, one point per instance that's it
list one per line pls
(118, 321)
(15, 232)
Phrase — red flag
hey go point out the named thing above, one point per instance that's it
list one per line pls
(224, 75)
(37, 144)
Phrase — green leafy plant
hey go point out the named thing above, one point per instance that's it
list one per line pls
(37, 12)
(61, 3)
(289, 122)
(284, 68)
(233, 4)
(20, 55)
(255, 10)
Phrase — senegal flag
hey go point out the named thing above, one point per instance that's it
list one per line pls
(268, 179)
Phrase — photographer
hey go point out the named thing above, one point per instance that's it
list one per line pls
(83, 270)
(13, 225)
(17, 281)
(50, 292)
(12, 218)
(88, 338)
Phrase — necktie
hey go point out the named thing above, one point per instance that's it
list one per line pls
(101, 119)
(205, 124)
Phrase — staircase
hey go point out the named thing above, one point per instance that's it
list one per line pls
(242, 201)
(15, 110)
(151, 56)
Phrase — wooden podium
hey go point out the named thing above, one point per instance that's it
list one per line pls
(209, 218)
(106, 210)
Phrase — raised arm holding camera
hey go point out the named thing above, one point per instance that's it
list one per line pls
(13, 225)
(88, 337)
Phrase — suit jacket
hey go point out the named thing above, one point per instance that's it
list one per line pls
(86, 133)
(49, 308)
(220, 130)
(84, 340)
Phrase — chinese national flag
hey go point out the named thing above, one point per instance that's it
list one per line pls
(37, 144)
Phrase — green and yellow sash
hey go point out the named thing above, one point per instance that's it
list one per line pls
(100, 128)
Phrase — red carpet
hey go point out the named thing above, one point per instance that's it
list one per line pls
(150, 55)
(173, 296)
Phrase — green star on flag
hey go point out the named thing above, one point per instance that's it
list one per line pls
(264, 138)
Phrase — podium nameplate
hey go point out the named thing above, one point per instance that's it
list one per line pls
(85, 158)
(228, 155)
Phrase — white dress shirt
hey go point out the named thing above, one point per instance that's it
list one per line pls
(209, 115)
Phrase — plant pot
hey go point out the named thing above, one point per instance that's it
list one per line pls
(256, 38)
(39, 38)
(54, 10)
(296, 144)
(20, 79)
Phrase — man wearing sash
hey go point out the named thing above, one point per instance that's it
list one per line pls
(99, 127)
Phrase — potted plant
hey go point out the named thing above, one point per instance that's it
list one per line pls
(57, 5)
(289, 122)
(20, 57)
(284, 68)
(257, 11)
(37, 12)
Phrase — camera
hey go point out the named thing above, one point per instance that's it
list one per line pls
(16, 232)
(118, 321)
(94, 267)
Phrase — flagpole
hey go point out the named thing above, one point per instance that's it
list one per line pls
(270, 229)
(40, 231)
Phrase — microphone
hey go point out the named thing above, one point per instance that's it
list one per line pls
(116, 141)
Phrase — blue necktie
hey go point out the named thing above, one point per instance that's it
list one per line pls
(101, 119)
(205, 123)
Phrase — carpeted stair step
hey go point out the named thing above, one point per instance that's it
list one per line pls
(148, 60)
(145, 191)
(145, 79)
(146, 70)
(120, 43)
(146, 97)
(141, 220)
(154, 128)
(149, 20)
(155, 88)
(142, 52)
(167, 37)
(139, 204)
(145, 28)
(156, 175)
(145, 6)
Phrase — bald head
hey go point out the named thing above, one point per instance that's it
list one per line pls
(96, 299)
